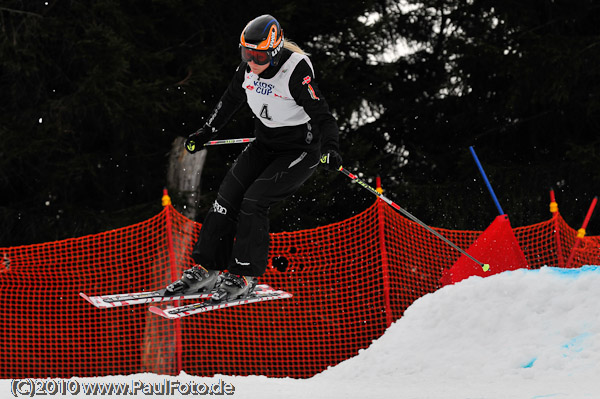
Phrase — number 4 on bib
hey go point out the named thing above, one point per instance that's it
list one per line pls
(264, 112)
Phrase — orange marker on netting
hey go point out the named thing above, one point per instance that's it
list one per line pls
(553, 203)
(581, 231)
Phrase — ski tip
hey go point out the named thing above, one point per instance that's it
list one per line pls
(156, 310)
(93, 301)
(161, 312)
(87, 298)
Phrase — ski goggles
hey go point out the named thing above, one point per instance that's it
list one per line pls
(259, 57)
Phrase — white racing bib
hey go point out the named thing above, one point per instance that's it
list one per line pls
(271, 100)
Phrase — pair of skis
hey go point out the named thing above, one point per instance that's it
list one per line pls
(261, 293)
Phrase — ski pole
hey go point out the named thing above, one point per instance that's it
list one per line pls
(230, 141)
(484, 266)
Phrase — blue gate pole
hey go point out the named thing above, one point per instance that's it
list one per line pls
(487, 182)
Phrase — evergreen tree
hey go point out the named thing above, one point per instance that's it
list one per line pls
(93, 94)
(515, 81)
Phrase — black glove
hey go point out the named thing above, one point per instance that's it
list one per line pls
(196, 140)
(331, 160)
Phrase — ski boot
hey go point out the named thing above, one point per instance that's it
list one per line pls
(233, 286)
(195, 279)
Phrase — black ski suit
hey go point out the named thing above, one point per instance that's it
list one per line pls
(293, 128)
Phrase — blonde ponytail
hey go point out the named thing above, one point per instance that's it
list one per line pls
(293, 47)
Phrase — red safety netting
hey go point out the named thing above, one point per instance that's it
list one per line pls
(350, 280)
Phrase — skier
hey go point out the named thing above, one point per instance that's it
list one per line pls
(295, 131)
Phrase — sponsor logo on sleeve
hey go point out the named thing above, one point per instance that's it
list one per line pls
(306, 81)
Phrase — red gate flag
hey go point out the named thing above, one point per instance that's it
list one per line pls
(497, 245)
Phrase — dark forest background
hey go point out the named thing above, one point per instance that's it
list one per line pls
(93, 93)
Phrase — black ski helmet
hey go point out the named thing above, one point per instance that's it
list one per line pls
(262, 40)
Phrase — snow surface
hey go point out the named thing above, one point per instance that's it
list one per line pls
(519, 334)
